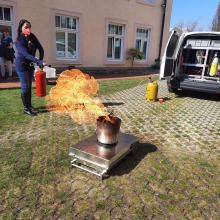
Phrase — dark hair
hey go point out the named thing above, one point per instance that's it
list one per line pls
(20, 25)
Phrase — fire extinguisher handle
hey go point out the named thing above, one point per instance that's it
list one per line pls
(41, 66)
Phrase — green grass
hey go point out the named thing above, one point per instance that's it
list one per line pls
(38, 182)
(100, 204)
(11, 109)
(29, 166)
(112, 86)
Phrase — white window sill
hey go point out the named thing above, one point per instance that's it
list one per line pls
(109, 62)
(67, 61)
(146, 3)
(141, 62)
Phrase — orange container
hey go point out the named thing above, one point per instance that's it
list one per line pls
(40, 77)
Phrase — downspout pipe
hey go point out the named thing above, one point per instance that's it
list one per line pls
(164, 5)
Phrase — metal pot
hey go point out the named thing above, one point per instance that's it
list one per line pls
(107, 131)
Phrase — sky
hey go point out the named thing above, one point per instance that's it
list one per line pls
(187, 11)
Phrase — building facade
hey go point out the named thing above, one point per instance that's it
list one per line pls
(91, 33)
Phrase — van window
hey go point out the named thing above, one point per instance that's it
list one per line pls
(172, 45)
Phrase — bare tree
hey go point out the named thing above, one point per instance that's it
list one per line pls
(216, 20)
(193, 26)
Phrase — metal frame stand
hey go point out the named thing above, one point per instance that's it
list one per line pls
(90, 156)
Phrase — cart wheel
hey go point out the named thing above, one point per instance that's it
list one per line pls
(104, 176)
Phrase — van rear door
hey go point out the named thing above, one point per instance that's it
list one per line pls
(170, 53)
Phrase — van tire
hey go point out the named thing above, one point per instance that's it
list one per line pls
(174, 90)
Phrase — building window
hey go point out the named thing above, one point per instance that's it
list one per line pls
(142, 36)
(67, 35)
(5, 14)
(115, 42)
(6, 20)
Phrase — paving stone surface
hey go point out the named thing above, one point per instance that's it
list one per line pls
(173, 172)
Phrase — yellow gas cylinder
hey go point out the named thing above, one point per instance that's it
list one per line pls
(151, 91)
(214, 66)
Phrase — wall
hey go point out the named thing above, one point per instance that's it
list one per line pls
(94, 16)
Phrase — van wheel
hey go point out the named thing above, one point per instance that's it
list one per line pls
(174, 90)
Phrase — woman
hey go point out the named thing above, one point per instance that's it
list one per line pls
(27, 44)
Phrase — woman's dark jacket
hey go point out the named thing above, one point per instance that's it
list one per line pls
(26, 49)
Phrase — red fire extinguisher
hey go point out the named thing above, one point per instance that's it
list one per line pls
(40, 77)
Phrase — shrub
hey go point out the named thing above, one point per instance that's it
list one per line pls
(134, 53)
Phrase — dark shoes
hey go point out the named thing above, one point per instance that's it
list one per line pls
(32, 109)
(28, 108)
(28, 111)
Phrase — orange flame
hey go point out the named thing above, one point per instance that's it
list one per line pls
(74, 94)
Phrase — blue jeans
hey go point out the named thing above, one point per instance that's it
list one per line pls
(26, 78)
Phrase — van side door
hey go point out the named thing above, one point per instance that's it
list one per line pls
(170, 53)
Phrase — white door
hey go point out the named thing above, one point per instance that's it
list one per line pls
(170, 54)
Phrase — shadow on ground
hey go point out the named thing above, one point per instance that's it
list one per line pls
(163, 99)
(41, 109)
(199, 95)
(126, 165)
(12, 88)
(106, 104)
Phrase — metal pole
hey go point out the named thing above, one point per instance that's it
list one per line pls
(162, 27)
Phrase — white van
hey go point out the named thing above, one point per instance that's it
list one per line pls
(187, 61)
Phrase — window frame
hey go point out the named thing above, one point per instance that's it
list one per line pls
(117, 22)
(115, 36)
(3, 13)
(149, 28)
(13, 7)
(66, 31)
(143, 39)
